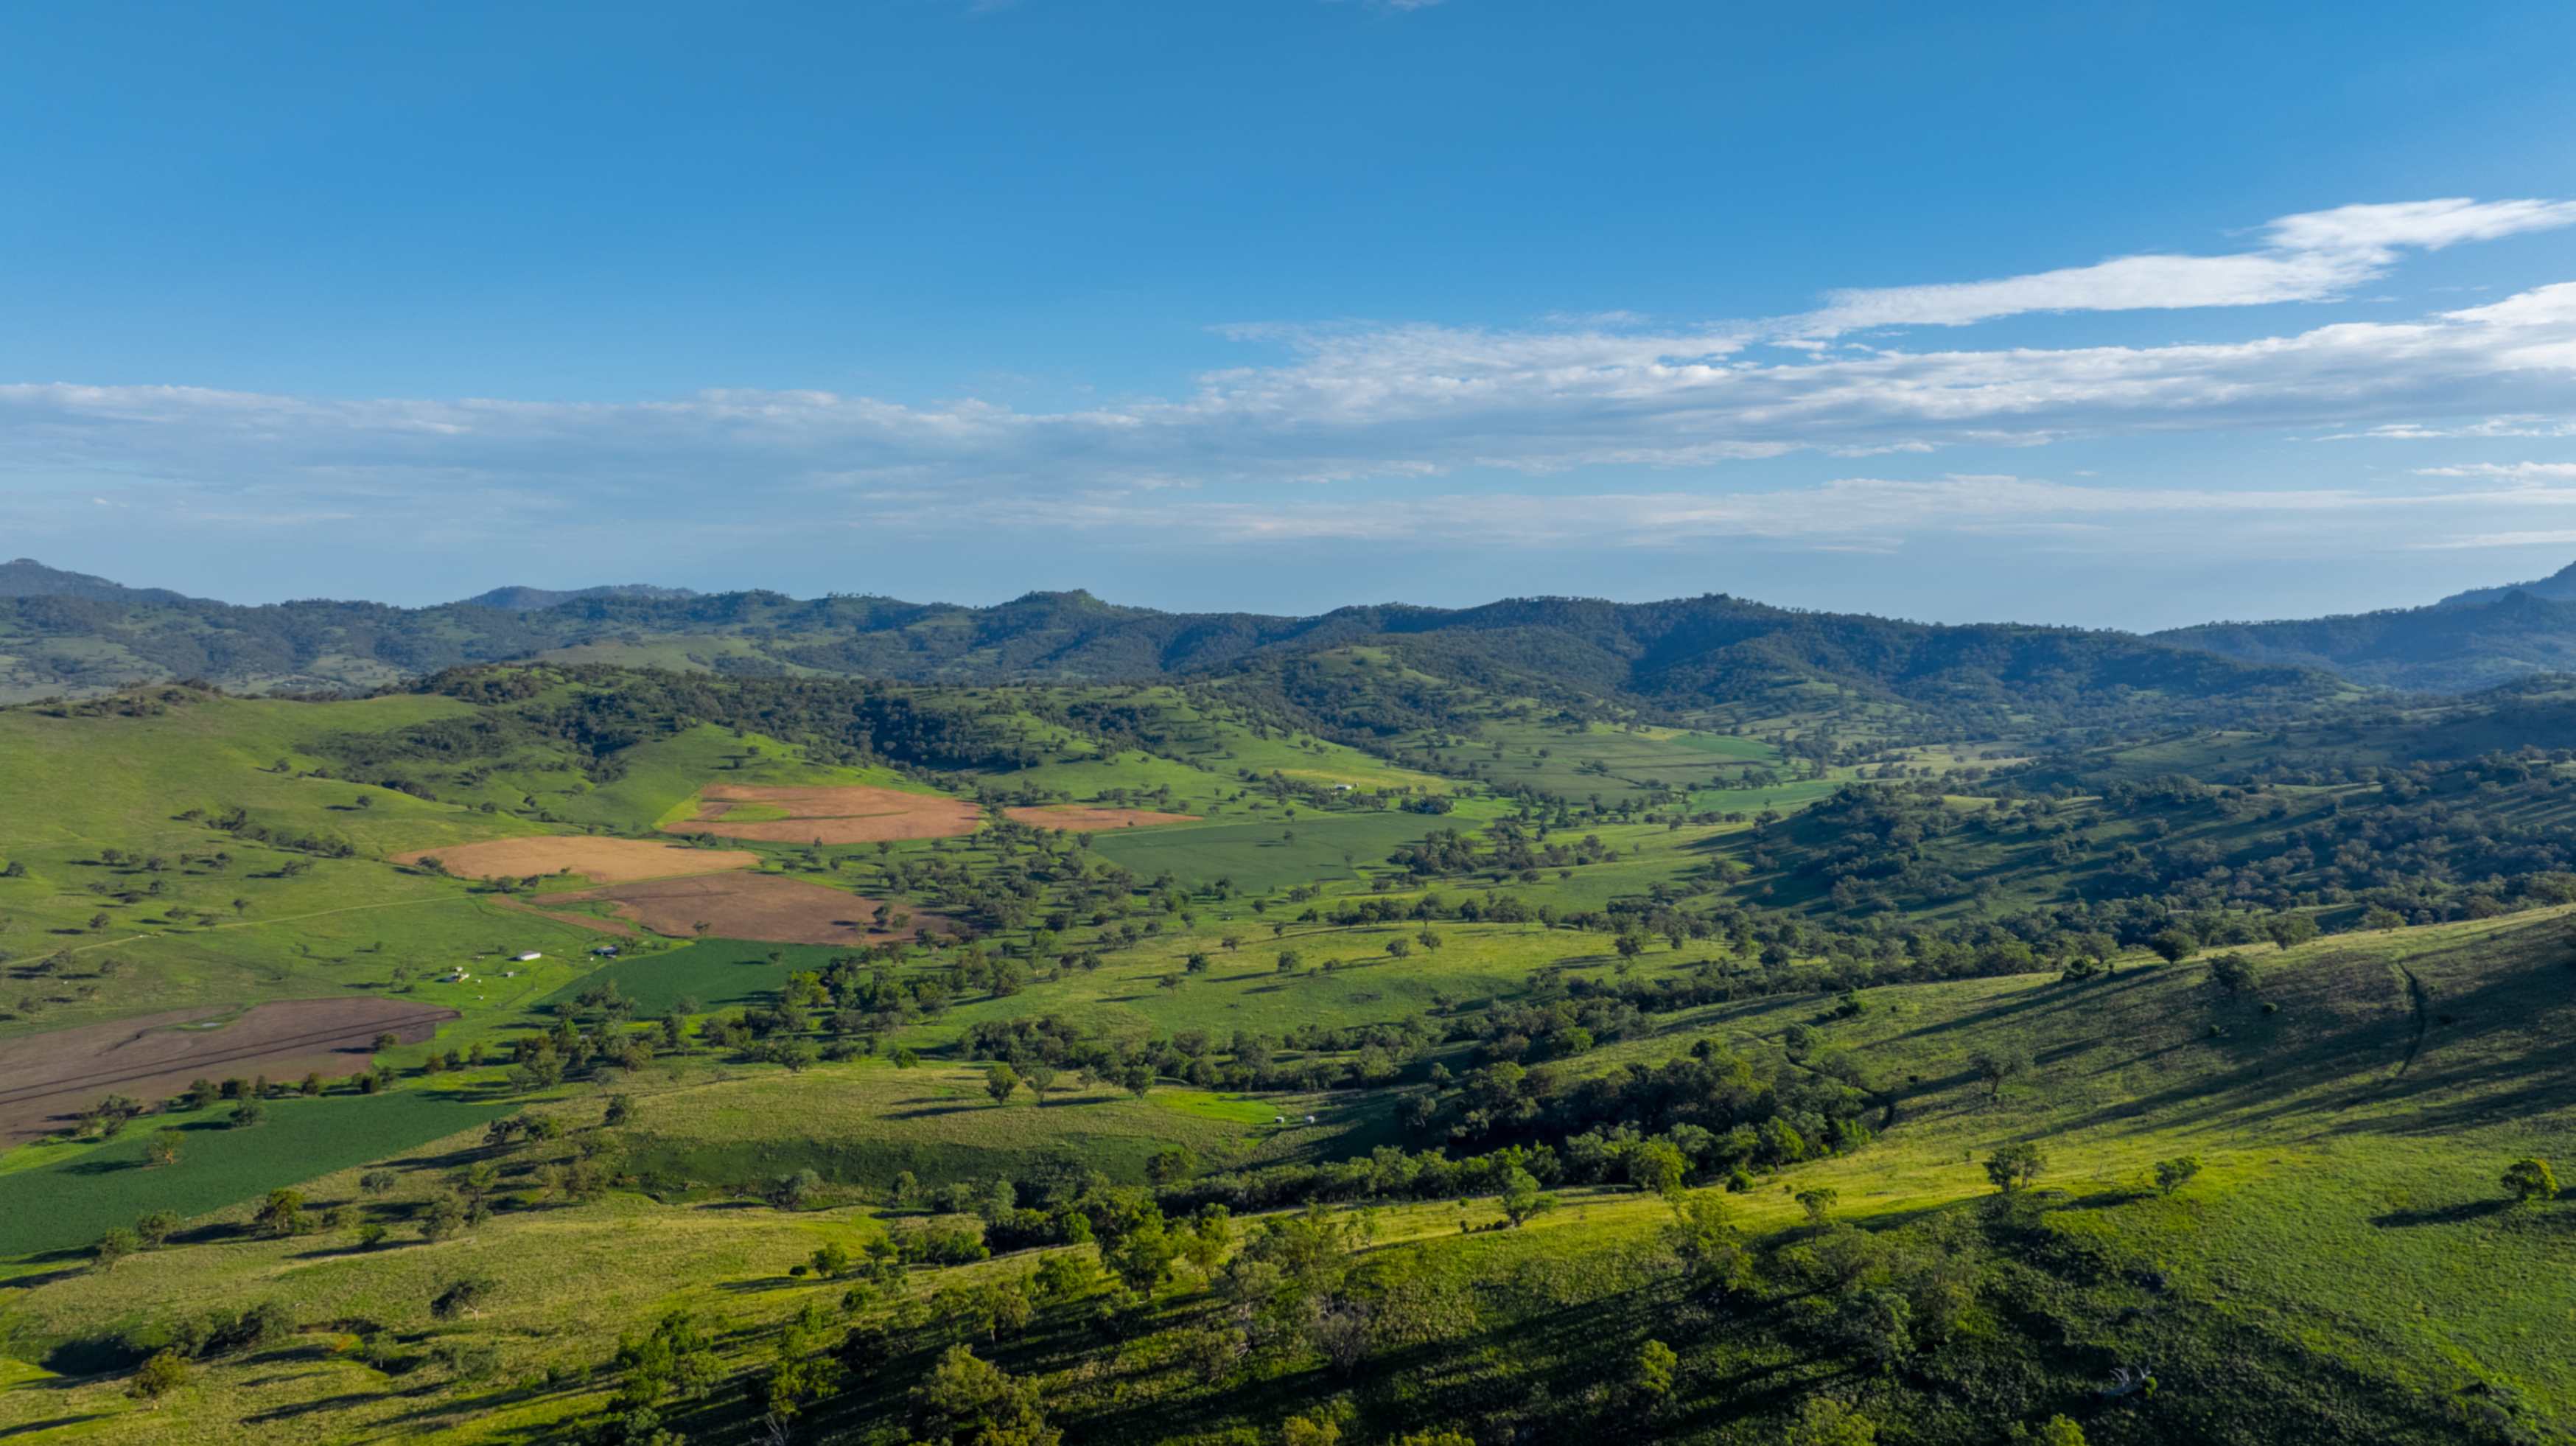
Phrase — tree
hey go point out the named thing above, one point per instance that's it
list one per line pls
(165, 1372)
(969, 1402)
(1653, 1375)
(2235, 975)
(1521, 1199)
(2173, 1174)
(112, 1247)
(250, 1112)
(164, 1147)
(462, 1296)
(1657, 1166)
(1317, 1430)
(2173, 945)
(282, 1213)
(1706, 1243)
(791, 1190)
(1040, 1077)
(1877, 1324)
(156, 1227)
(1818, 1202)
(2530, 1180)
(442, 1218)
(2013, 1167)
(1171, 1165)
(1824, 1421)
(620, 1110)
(1998, 1064)
(1001, 1082)
(2055, 1431)
(2286, 931)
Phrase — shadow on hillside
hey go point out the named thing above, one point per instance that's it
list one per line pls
(30, 1428)
(2481, 1068)
(2454, 1214)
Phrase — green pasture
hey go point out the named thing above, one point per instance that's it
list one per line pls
(1276, 853)
(70, 1203)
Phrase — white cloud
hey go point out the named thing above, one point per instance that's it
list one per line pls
(2311, 257)
(2523, 471)
(2485, 427)
(2556, 537)
(1350, 428)
(1349, 405)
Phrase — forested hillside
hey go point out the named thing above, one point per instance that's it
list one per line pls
(1672, 657)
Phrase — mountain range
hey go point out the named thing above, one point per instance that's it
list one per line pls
(66, 633)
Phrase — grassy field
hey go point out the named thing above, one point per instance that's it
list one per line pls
(2337, 1138)
(51, 1207)
(1277, 853)
(865, 1124)
(2345, 1266)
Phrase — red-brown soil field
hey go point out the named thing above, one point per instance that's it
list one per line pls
(753, 906)
(606, 860)
(46, 1079)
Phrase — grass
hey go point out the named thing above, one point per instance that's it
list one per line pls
(1277, 853)
(716, 973)
(865, 1123)
(2347, 1232)
(2334, 1150)
(71, 1202)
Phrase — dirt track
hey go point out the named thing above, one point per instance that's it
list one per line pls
(47, 1079)
(607, 860)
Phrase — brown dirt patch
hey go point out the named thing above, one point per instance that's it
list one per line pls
(578, 921)
(855, 814)
(607, 860)
(1091, 820)
(768, 907)
(47, 1079)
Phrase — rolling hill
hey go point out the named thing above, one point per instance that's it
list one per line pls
(1671, 657)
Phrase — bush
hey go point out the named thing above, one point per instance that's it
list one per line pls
(165, 1372)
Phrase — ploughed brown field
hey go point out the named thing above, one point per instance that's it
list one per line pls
(47, 1079)
(605, 860)
(1082, 818)
(855, 814)
(768, 907)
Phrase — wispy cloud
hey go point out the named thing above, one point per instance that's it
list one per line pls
(2553, 537)
(2519, 471)
(2483, 427)
(1356, 404)
(2315, 256)
(1350, 430)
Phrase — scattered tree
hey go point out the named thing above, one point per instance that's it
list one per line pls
(2530, 1180)
(2013, 1167)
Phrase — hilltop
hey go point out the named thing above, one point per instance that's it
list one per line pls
(1671, 657)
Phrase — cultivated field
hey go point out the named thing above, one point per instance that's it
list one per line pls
(752, 906)
(848, 815)
(46, 1080)
(602, 860)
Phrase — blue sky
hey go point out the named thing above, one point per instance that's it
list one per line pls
(2122, 314)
